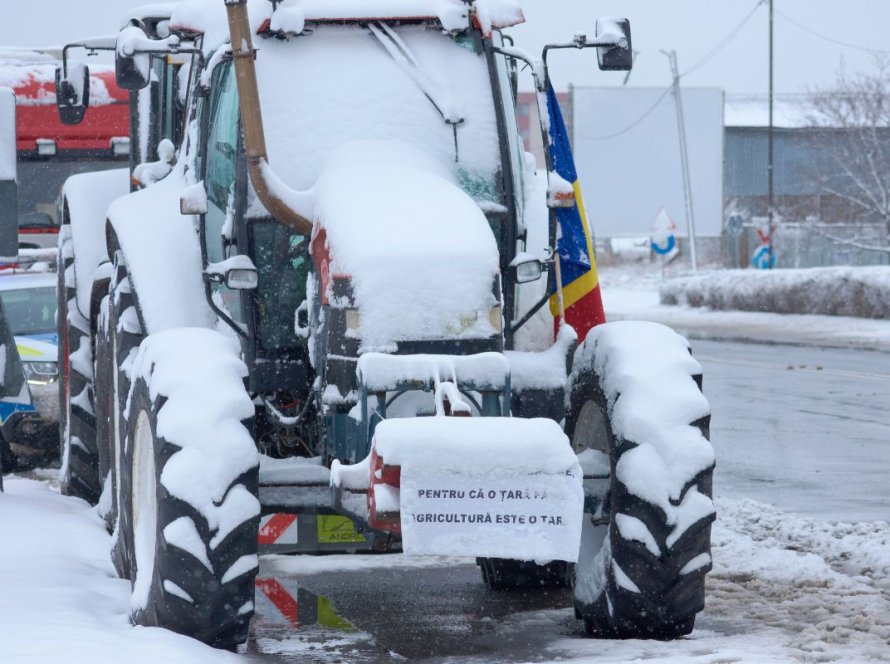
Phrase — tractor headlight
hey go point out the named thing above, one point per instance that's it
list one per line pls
(353, 320)
(463, 323)
(41, 373)
(496, 319)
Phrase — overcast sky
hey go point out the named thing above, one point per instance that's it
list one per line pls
(692, 27)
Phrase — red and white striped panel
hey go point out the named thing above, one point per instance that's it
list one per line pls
(278, 529)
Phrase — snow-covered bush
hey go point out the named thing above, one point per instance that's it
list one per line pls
(833, 291)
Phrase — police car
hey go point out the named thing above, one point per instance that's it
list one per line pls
(29, 405)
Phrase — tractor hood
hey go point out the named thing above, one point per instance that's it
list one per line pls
(419, 253)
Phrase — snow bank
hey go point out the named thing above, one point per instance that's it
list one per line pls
(61, 599)
(88, 196)
(836, 291)
(200, 372)
(647, 379)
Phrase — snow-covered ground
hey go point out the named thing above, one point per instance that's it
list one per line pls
(631, 292)
(784, 588)
(60, 599)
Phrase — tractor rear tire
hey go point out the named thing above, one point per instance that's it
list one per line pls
(205, 590)
(79, 474)
(648, 585)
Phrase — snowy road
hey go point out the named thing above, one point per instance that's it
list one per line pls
(805, 429)
(803, 440)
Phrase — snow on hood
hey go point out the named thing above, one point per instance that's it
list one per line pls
(419, 250)
(88, 196)
(163, 255)
(209, 18)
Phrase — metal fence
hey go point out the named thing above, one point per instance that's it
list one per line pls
(810, 244)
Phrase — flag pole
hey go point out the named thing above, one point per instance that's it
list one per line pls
(559, 297)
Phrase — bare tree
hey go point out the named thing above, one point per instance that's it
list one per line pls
(854, 117)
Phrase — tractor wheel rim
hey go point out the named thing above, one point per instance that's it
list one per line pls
(590, 431)
(145, 511)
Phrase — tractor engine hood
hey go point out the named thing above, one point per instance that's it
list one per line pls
(420, 255)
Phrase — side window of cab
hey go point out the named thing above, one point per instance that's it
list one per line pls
(219, 164)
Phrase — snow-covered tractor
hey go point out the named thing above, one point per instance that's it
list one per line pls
(335, 303)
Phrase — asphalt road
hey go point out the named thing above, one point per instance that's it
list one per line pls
(805, 429)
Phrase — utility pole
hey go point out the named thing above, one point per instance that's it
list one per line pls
(684, 158)
(769, 148)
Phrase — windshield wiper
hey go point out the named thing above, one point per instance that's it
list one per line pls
(400, 53)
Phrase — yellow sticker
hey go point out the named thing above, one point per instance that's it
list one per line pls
(328, 616)
(25, 351)
(335, 529)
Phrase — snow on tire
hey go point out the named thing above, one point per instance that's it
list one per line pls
(193, 480)
(117, 347)
(79, 474)
(637, 413)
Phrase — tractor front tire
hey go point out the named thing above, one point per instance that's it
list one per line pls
(79, 475)
(641, 572)
(187, 576)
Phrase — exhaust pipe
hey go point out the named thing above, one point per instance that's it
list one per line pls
(263, 179)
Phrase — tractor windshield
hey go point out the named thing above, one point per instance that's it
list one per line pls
(380, 83)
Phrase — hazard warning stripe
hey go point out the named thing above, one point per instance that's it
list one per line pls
(280, 598)
(274, 527)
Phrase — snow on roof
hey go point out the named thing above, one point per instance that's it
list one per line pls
(27, 280)
(306, 115)
(154, 10)
(32, 74)
(209, 17)
(790, 111)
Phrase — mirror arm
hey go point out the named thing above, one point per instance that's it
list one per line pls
(84, 44)
(542, 79)
(515, 325)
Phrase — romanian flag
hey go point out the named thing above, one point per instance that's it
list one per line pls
(574, 246)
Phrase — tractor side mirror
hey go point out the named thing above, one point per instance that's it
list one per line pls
(616, 53)
(9, 208)
(527, 269)
(132, 61)
(236, 273)
(73, 93)
(242, 278)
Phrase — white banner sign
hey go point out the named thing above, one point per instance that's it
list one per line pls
(537, 517)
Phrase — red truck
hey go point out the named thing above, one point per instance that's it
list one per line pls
(49, 151)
